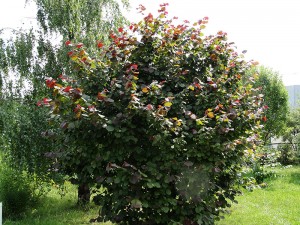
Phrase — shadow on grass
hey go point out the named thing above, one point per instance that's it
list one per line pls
(295, 178)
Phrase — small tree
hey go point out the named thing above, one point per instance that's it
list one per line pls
(159, 118)
(275, 100)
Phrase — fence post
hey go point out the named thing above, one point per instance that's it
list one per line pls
(0, 213)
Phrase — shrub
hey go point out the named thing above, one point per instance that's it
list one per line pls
(254, 172)
(161, 122)
(268, 156)
(16, 192)
(287, 155)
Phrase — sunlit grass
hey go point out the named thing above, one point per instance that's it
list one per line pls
(57, 210)
(277, 204)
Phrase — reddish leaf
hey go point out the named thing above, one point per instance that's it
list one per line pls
(100, 44)
(133, 66)
(62, 77)
(101, 96)
(149, 18)
(46, 101)
(236, 102)
(67, 89)
(92, 108)
(197, 85)
(68, 42)
(128, 85)
(50, 82)
(39, 103)
(149, 107)
(77, 108)
(164, 4)
(79, 45)
(112, 35)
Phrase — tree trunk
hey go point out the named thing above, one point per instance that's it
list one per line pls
(84, 194)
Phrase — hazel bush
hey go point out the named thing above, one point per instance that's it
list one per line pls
(159, 118)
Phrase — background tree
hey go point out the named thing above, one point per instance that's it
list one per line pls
(160, 118)
(290, 152)
(32, 54)
(275, 100)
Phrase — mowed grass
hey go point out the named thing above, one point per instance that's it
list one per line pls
(278, 203)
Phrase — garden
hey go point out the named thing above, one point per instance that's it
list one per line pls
(144, 123)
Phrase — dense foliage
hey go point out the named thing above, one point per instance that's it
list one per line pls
(17, 192)
(22, 135)
(160, 118)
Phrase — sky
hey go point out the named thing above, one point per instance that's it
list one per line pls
(268, 29)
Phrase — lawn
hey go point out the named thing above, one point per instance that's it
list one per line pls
(57, 210)
(278, 203)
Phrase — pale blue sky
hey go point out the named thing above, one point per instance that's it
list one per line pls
(268, 29)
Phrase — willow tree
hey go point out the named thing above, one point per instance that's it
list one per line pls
(32, 54)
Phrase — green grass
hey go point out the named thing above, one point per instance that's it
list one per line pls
(278, 203)
(57, 210)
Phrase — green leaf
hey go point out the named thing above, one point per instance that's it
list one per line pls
(110, 128)
(150, 185)
(165, 209)
(71, 125)
(136, 203)
(117, 180)
(145, 204)
(199, 122)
